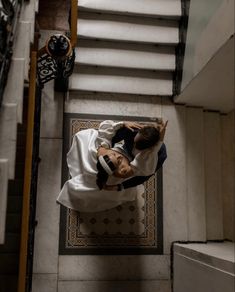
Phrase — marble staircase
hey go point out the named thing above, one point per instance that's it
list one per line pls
(11, 111)
(126, 47)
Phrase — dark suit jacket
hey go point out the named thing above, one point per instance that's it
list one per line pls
(128, 137)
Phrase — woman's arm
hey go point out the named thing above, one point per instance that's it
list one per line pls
(108, 129)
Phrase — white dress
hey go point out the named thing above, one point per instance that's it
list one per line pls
(81, 192)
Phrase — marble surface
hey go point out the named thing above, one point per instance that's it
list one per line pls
(100, 79)
(228, 174)
(148, 7)
(28, 15)
(114, 286)
(114, 104)
(195, 177)
(220, 255)
(196, 271)
(113, 268)
(122, 28)
(22, 45)
(126, 58)
(174, 176)
(47, 214)
(213, 190)
(14, 89)
(8, 123)
(51, 112)
(3, 197)
(44, 283)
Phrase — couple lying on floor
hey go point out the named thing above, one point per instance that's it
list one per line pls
(108, 166)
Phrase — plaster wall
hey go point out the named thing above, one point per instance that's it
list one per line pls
(211, 24)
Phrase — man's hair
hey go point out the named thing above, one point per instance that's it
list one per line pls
(149, 137)
(102, 175)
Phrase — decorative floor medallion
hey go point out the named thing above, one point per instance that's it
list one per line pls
(131, 228)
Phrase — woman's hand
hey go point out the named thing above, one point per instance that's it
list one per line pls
(162, 129)
(110, 187)
(132, 125)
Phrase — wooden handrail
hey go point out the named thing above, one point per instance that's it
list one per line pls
(27, 175)
(74, 19)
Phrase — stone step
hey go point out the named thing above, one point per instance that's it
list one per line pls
(8, 135)
(125, 28)
(14, 90)
(137, 56)
(157, 8)
(114, 267)
(22, 45)
(113, 80)
(3, 197)
(204, 267)
(115, 286)
(28, 16)
(213, 176)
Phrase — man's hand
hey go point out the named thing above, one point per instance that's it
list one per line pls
(132, 125)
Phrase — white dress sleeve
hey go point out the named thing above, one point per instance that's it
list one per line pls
(145, 162)
(106, 132)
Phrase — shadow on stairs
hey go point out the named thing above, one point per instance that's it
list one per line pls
(9, 251)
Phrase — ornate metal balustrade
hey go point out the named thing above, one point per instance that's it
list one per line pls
(9, 11)
(56, 61)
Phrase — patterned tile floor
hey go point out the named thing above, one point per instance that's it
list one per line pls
(134, 227)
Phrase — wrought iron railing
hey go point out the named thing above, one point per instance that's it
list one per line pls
(9, 12)
(56, 59)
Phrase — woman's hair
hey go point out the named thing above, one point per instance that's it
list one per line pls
(149, 137)
(102, 175)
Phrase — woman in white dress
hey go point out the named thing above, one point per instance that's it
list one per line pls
(97, 170)
(81, 192)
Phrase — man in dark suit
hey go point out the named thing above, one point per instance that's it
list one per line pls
(133, 140)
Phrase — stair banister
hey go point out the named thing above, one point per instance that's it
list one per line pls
(73, 22)
(27, 176)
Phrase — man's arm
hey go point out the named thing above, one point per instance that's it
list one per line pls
(137, 180)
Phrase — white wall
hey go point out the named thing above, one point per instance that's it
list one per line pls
(208, 71)
(211, 24)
